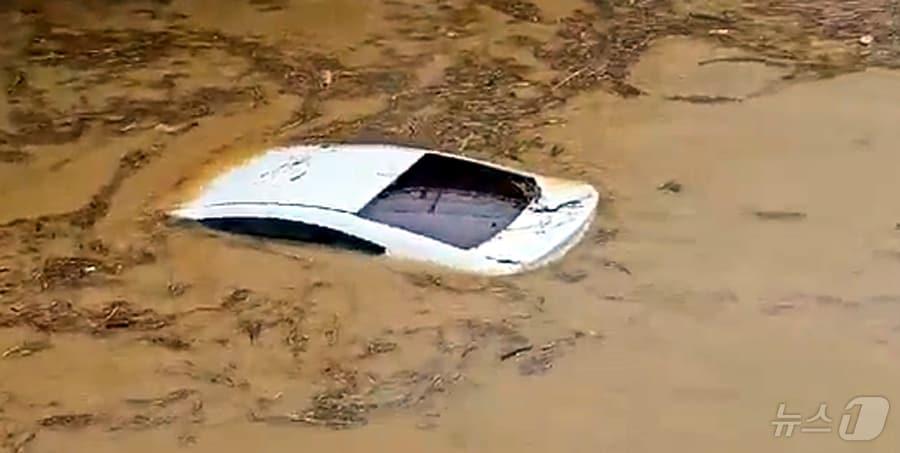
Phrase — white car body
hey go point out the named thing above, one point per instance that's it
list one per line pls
(331, 186)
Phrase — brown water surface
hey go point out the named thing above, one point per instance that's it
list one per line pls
(763, 272)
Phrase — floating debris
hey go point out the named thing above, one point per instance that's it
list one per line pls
(62, 316)
(177, 289)
(70, 271)
(26, 349)
(176, 128)
(703, 99)
(670, 186)
(780, 215)
(14, 156)
(335, 409)
(571, 277)
(165, 400)
(377, 346)
(515, 352)
(169, 342)
(522, 10)
(68, 421)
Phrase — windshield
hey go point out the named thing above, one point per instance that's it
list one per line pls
(455, 201)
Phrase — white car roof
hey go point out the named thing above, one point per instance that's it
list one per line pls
(328, 187)
(342, 178)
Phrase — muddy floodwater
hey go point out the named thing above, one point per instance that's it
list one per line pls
(745, 255)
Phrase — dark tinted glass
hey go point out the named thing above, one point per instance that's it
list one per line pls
(451, 200)
(292, 231)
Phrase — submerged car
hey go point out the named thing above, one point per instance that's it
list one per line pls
(402, 202)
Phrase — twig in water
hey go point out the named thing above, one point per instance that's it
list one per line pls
(702, 99)
(765, 61)
(515, 352)
(572, 76)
